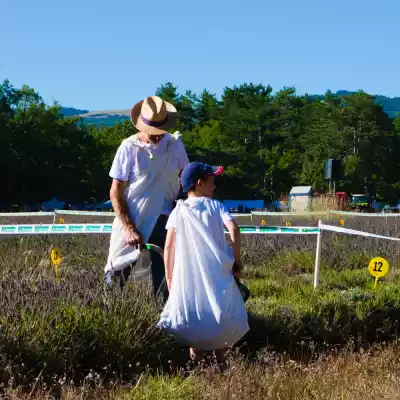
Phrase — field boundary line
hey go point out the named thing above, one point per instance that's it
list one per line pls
(330, 228)
(355, 214)
(57, 229)
(56, 213)
(28, 214)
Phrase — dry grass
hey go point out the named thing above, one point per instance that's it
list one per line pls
(324, 202)
(374, 374)
(371, 375)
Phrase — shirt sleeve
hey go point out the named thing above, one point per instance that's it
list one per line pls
(226, 216)
(183, 159)
(123, 163)
(171, 223)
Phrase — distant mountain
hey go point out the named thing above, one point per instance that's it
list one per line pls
(390, 104)
(70, 111)
(106, 118)
(110, 117)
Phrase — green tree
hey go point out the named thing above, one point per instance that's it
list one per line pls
(267, 141)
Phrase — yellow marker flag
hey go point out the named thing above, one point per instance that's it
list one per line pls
(56, 260)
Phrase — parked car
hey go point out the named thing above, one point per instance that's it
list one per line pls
(361, 203)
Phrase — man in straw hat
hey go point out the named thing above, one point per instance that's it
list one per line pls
(145, 184)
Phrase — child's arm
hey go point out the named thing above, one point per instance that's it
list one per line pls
(234, 233)
(169, 256)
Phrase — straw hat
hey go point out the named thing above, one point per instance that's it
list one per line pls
(154, 116)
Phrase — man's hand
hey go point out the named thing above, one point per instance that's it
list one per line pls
(117, 196)
(134, 238)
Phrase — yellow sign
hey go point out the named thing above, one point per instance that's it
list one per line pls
(263, 222)
(56, 259)
(56, 256)
(341, 222)
(62, 220)
(378, 267)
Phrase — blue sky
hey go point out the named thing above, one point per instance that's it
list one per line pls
(100, 55)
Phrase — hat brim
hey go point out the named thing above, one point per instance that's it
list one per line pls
(216, 170)
(141, 126)
(188, 181)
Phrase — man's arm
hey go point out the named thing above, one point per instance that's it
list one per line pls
(169, 256)
(117, 197)
(234, 233)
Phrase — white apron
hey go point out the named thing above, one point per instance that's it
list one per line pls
(145, 198)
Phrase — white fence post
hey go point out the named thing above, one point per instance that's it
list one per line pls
(317, 255)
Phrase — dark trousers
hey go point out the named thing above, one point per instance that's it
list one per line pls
(157, 238)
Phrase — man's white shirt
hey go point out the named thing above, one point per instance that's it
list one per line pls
(128, 162)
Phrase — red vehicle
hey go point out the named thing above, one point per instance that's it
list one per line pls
(342, 200)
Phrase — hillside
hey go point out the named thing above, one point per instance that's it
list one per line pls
(70, 111)
(106, 118)
(391, 105)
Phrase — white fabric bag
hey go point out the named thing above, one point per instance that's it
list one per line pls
(141, 274)
(205, 308)
(145, 198)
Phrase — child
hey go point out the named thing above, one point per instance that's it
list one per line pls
(205, 308)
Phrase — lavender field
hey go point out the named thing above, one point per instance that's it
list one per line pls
(69, 338)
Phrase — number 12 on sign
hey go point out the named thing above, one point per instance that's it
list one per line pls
(378, 267)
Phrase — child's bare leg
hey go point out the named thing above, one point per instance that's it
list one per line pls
(196, 355)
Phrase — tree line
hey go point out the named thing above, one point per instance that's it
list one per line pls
(268, 142)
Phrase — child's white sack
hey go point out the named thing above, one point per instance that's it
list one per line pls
(205, 308)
